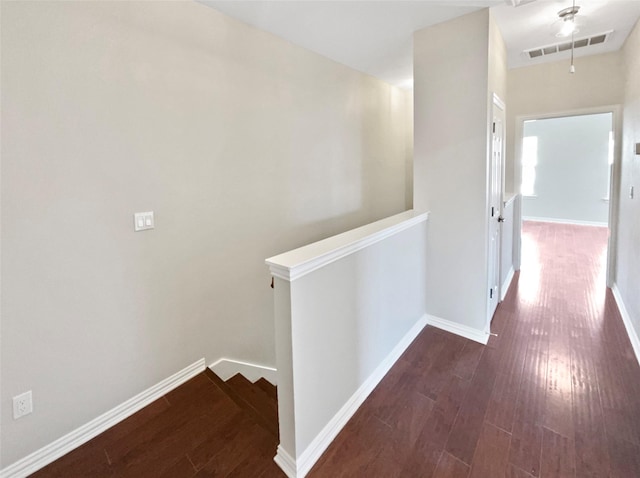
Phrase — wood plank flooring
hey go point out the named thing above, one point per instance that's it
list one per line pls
(555, 394)
(201, 429)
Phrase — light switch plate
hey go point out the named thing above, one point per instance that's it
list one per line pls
(143, 221)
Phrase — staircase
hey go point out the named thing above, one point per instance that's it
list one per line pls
(206, 427)
(259, 399)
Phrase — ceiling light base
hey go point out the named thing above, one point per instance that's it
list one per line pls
(569, 12)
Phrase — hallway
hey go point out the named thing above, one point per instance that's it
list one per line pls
(555, 394)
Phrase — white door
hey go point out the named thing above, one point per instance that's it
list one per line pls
(495, 204)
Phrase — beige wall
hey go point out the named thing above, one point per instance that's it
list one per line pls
(451, 133)
(409, 155)
(628, 252)
(244, 146)
(497, 62)
(550, 88)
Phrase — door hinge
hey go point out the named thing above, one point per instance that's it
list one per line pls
(494, 126)
(491, 293)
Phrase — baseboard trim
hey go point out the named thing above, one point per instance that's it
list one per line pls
(565, 221)
(226, 368)
(285, 462)
(49, 453)
(628, 324)
(458, 329)
(316, 448)
(506, 284)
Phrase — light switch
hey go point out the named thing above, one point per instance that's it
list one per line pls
(143, 221)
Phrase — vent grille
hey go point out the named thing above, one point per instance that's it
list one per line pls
(564, 46)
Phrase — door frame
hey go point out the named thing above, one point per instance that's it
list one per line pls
(496, 104)
(614, 184)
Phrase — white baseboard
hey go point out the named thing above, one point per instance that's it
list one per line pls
(458, 329)
(227, 368)
(300, 467)
(565, 221)
(628, 324)
(285, 462)
(51, 452)
(506, 284)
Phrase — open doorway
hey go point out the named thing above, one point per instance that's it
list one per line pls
(568, 169)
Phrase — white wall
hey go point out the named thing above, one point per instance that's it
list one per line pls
(572, 171)
(338, 324)
(452, 98)
(550, 88)
(244, 146)
(628, 251)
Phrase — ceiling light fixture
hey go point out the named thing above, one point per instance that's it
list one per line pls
(568, 15)
(568, 27)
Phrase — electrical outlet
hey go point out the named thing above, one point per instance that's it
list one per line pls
(22, 405)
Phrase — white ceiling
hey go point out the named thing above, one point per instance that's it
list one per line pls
(375, 36)
(536, 24)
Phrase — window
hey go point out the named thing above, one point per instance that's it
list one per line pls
(529, 162)
(610, 162)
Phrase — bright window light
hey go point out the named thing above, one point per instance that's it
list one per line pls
(610, 161)
(529, 163)
(611, 144)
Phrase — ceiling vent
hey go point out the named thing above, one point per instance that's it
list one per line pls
(564, 46)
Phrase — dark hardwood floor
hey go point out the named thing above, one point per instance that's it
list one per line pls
(555, 394)
(204, 428)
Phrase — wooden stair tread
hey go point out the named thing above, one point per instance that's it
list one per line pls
(265, 416)
(268, 388)
(257, 398)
